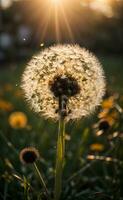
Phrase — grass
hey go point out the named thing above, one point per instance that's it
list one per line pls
(85, 178)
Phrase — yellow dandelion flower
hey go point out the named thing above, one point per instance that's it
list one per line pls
(5, 105)
(109, 119)
(18, 120)
(97, 147)
(108, 103)
(111, 116)
(103, 113)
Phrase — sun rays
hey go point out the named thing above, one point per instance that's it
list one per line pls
(56, 20)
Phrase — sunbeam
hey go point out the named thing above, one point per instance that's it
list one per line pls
(67, 24)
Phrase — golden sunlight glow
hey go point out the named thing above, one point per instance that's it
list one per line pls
(55, 2)
(58, 16)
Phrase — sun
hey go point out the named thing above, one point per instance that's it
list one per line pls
(55, 2)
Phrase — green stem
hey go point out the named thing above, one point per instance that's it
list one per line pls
(42, 181)
(59, 159)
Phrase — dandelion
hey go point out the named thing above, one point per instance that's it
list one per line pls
(108, 103)
(97, 147)
(104, 125)
(107, 119)
(67, 72)
(29, 155)
(18, 120)
(103, 114)
(63, 82)
(110, 119)
(108, 113)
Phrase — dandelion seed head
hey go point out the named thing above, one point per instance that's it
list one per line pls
(64, 69)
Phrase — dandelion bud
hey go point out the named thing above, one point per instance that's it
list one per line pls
(29, 155)
(104, 125)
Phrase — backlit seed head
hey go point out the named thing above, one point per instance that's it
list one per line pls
(65, 72)
(29, 155)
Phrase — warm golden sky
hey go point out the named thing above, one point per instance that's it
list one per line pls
(6, 3)
(103, 6)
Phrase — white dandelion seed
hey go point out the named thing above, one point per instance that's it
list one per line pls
(53, 68)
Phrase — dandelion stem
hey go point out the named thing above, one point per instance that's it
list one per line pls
(42, 180)
(59, 159)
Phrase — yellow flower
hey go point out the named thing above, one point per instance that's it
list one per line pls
(103, 113)
(106, 114)
(5, 105)
(97, 147)
(109, 119)
(108, 103)
(18, 120)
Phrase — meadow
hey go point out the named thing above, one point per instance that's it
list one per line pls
(93, 165)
